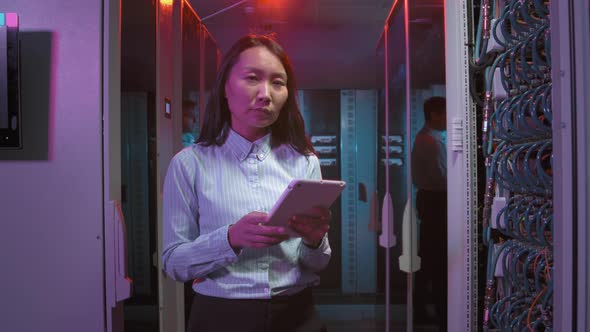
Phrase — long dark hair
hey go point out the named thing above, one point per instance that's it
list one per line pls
(289, 128)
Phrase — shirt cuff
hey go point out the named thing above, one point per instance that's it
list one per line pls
(219, 239)
(307, 251)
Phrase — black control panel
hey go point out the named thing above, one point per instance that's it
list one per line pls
(10, 111)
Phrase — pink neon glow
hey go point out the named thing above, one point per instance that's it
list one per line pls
(11, 20)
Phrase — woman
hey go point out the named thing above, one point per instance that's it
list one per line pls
(247, 276)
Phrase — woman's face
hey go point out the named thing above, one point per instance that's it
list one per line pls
(256, 90)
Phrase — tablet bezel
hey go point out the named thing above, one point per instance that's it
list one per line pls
(300, 196)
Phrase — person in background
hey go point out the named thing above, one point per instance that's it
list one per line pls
(429, 175)
(189, 120)
(247, 276)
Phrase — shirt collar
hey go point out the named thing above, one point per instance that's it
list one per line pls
(242, 147)
(438, 134)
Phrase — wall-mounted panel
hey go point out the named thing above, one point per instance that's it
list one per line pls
(10, 127)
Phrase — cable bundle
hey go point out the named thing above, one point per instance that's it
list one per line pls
(513, 50)
(526, 116)
(523, 298)
(524, 168)
(528, 219)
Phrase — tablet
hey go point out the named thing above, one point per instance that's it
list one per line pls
(302, 195)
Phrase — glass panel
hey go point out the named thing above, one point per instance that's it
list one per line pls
(191, 57)
(337, 122)
(392, 149)
(321, 110)
(138, 151)
(383, 319)
(210, 63)
(414, 72)
(426, 132)
(211, 57)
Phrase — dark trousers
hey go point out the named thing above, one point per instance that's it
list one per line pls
(294, 313)
(431, 280)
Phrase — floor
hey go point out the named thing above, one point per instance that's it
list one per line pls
(371, 326)
(332, 326)
(367, 318)
(337, 317)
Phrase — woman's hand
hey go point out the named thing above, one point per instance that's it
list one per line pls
(250, 232)
(312, 225)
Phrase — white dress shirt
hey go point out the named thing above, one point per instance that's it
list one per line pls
(209, 188)
(429, 160)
